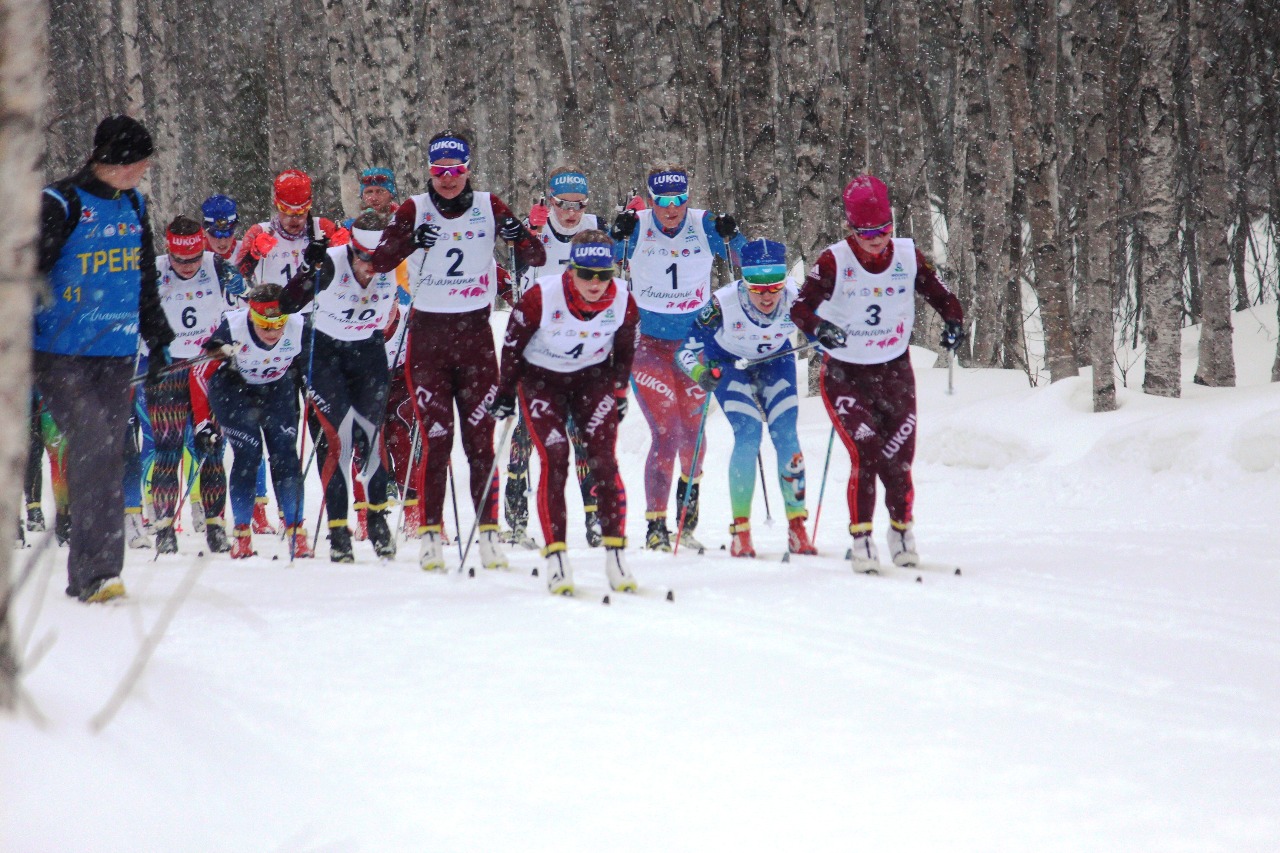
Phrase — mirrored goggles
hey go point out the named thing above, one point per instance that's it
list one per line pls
(772, 287)
(262, 321)
(293, 211)
(670, 200)
(220, 227)
(872, 233)
(569, 205)
(450, 171)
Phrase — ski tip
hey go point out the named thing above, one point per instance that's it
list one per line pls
(701, 551)
(848, 554)
(786, 558)
(671, 595)
(957, 570)
(199, 553)
(535, 571)
(273, 556)
(919, 579)
(605, 600)
(721, 547)
(471, 572)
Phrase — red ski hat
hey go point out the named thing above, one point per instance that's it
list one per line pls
(293, 192)
(866, 202)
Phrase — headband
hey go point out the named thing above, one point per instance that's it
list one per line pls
(591, 256)
(185, 245)
(668, 183)
(568, 182)
(365, 241)
(449, 147)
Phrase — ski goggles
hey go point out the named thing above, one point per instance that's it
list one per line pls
(872, 233)
(289, 210)
(220, 228)
(592, 275)
(186, 262)
(452, 171)
(568, 205)
(670, 200)
(770, 287)
(266, 315)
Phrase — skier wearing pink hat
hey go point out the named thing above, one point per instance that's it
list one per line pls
(858, 300)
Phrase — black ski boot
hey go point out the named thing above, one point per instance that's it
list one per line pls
(62, 528)
(384, 544)
(657, 537)
(595, 536)
(340, 544)
(215, 536)
(35, 519)
(687, 492)
(166, 540)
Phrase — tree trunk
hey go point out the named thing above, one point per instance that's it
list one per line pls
(23, 31)
(1161, 287)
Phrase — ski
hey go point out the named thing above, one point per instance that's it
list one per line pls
(924, 566)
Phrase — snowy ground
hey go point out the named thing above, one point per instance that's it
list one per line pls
(1104, 676)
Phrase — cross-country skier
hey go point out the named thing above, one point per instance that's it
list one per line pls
(671, 250)
(858, 300)
(750, 319)
(569, 348)
(377, 193)
(555, 225)
(271, 251)
(451, 230)
(252, 392)
(348, 374)
(221, 215)
(194, 285)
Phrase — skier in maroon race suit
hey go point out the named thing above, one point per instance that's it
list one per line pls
(858, 300)
(569, 347)
(451, 352)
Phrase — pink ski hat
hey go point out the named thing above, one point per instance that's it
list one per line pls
(866, 202)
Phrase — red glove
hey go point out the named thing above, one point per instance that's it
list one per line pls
(637, 203)
(538, 215)
(262, 245)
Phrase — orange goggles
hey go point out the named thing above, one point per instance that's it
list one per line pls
(287, 210)
(266, 315)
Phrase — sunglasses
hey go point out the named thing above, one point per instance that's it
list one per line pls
(264, 322)
(776, 287)
(597, 275)
(292, 211)
(186, 262)
(450, 171)
(360, 254)
(568, 205)
(872, 233)
(670, 200)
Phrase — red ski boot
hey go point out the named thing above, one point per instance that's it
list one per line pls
(260, 522)
(797, 539)
(242, 545)
(301, 543)
(740, 543)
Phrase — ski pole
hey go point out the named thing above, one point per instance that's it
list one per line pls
(826, 466)
(697, 448)
(408, 474)
(488, 487)
(951, 369)
(195, 361)
(306, 403)
(453, 494)
(768, 516)
(744, 363)
(191, 481)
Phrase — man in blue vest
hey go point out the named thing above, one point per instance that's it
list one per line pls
(96, 250)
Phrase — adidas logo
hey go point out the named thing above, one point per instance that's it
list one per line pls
(555, 437)
(864, 432)
(438, 431)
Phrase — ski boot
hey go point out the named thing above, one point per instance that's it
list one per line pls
(559, 572)
(197, 514)
(431, 552)
(301, 543)
(379, 532)
(615, 569)
(362, 525)
(519, 537)
(134, 535)
(261, 524)
(243, 547)
(215, 536)
(340, 543)
(687, 514)
(35, 518)
(595, 537)
(798, 538)
(740, 541)
(166, 538)
(102, 590)
(412, 519)
(863, 556)
(657, 537)
(902, 545)
(491, 556)
(62, 528)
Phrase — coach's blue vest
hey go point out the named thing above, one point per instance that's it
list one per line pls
(95, 282)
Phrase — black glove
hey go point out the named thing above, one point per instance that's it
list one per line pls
(620, 405)
(707, 376)
(726, 226)
(830, 335)
(511, 230)
(206, 438)
(425, 235)
(157, 360)
(502, 407)
(624, 225)
(214, 348)
(313, 255)
(952, 336)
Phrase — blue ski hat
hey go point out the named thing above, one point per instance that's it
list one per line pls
(220, 215)
(378, 176)
(591, 256)
(449, 147)
(763, 262)
(568, 182)
(672, 182)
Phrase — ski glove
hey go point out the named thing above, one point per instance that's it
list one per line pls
(502, 407)
(206, 438)
(620, 405)
(830, 335)
(158, 360)
(425, 235)
(511, 229)
(624, 225)
(726, 226)
(538, 215)
(706, 375)
(313, 255)
(262, 245)
(952, 336)
(215, 348)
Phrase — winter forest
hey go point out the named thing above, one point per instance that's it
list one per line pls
(1091, 176)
